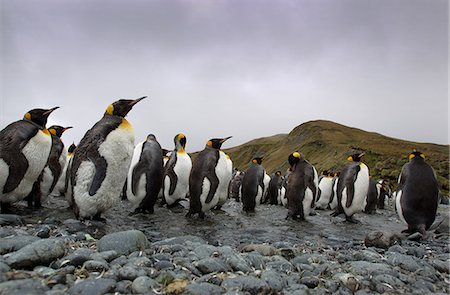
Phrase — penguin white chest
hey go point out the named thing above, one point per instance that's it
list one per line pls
(361, 186)
(224, 172)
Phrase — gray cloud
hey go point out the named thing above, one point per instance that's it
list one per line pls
(219, 68)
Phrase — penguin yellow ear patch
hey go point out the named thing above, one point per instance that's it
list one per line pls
(27, 116)
(254, 161)
(296, 154)
(110, 109)
(209, 143)
(422, 156)
(52, 131)
(350, 158)
(411, 156)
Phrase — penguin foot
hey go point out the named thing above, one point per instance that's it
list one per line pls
(97, 217)
(352, 220)
(5, 208)
(335, 214)
(144, 211)
(313, 213)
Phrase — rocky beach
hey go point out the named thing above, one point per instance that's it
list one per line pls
(49, 252)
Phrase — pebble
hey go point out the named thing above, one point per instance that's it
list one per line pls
(14, 243)
(124, 242)
(92, 287)
(203, 289)
(143, 285)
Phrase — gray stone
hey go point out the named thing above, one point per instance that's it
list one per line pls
(255, 260)
(122, 260)
(203, 289)
(10, 244)
(4, 267)
(398, 249)
(128, 273)
(139, 262)
(237, 263)
(204, 251)
(441, 266)
(74, 226)
(143, 285)
(381, 239)
(26, 286)
(108, 256)
(367, 255)
(124, 242)
(404, 261)
(93, 287)
(369, 268)
(278, 263)
(123, 287)
(245, 283)
(180, 241)
(296, 289)
(10, 219)
(6, 232)
(209, 265)
(44, 271)
(95, 265)
(265, 250)
(162, 256)
(273, 280)
(310, 282)
(163, 264)
(384, 283)
(40, 252)
(72, 259)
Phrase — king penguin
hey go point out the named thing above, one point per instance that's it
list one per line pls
(209, 178)
(252, 188)
(49, 177)
(145, 175)
(302, 187)
(24, 149)
(372, 196)
(274, 190)
(333, 198)
(417, 196)
(352, 188)
(176, 173)
(224, 183)
(67, 194)
(101, 161)
(325, 190)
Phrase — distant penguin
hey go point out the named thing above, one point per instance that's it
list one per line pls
(325, 190)
(252, 188)
(24, 149)
(333, 204)
(274, 188)
(301, 188)
(352, 188)
(145, 175)
(208, 181)
(235, 185)
(101, 161)
(53, 171)
(224, 184)
(417, 195)
(266, 182)
(372, 196)
(385, 191)
(176, 173)
(67, 192)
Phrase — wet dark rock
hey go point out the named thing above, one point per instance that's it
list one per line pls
(237, 263)
(4, 267)
(406, 262)
(10, 219)
(204, 251)
(369, 268)
(73, 226)
(95, 265)
(245, 283)
(273, 279)
(441, 266)
(203, 289)
(296, 289)
(44, 271)
(14, 243)
(287, 253)
(107, 256)
(265, 250)
(93, 287)
(26, 286)
(398, 249)
(310, 282)
(143, 285)
(163, 264)
(417, 251)
(40, 252)
(180, 241)
(162, 256)
(123, 287)
(385, 283)
(367, 255)
(209, 265)
(255, 260)
(381, 239)
(128, 273)
(43, 232)
(423, 286)
(124, 242)
(121, 260)
(280, 264)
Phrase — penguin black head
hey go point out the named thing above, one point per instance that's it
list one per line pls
(165, 152)
(122, 107)
(57, 130)
(416, 155)
(39, 116)
(257, 160)
(151, 137)
(325, 172)
(216, 143)
(71, 148)
(356, 157)
(294, 158)
(180, 142)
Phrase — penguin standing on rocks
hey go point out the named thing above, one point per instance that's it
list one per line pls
(385, 191)
(352, 188)
(333, 198)
(53, 171)
(372, 196)
(417, 196)
(235, 185)
(176, 173)
(209, 178)
(274, 189)
(252, 188)
(24, 149)
(145, 175)
(301, 189)
(224, 185)
(101, 161)
(70, 152)
(325, 190)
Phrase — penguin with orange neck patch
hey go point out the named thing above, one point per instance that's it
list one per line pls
(24, 149)
(417, 196)
(101, 161)
(252, 189)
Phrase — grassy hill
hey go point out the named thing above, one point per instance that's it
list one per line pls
(327, 145)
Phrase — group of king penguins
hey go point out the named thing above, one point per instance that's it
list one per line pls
(106, 164)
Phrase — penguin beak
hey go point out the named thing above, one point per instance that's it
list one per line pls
(225, 139)
(67, 128)
(47, 113)
(133, 102)
(361, 155)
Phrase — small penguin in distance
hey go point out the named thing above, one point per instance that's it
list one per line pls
(372, 196)
(145, 175)
(325, 190)
(352, 187)
(24, 149)
(101, 161)
(274, 189)
(252, 188)
(417, 196)
(70, 152)
(301, 188)
(209, 178)
(176, 173)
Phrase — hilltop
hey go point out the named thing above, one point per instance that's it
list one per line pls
(327, 144)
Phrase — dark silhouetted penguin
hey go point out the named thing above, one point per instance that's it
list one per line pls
(301, 188)
(333, 204)
(252, 188)
(352, 188)
(372, 196)
(145, 175)
(274, 189)
(101, 161)
(24, 149)
(53, 171)
(417, 195)
(235, 185)
(176, 173)
(209, 178)
(70, 152)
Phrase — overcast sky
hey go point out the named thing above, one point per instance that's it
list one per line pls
(213, 68)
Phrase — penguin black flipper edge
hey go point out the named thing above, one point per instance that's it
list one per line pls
(100, 174)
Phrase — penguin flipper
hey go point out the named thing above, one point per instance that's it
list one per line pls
(100, 174)
(56, 172)
(173, 180)
(351, 186)
(212, 177)
(138, 170)
(18, 168)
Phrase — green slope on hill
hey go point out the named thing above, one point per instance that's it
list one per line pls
(326, 144)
